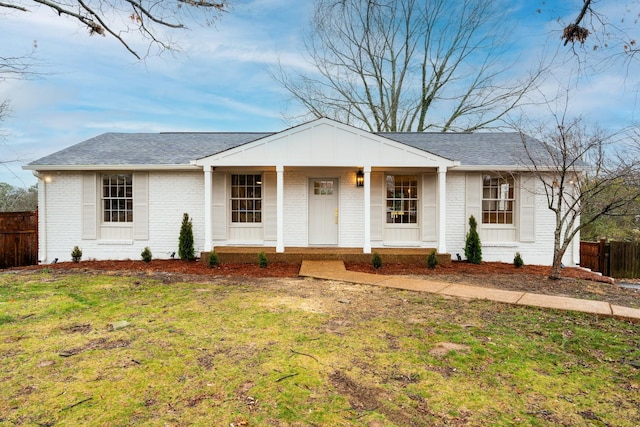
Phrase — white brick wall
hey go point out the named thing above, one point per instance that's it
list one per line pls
(351, 211)
(172, 194)
(539, 252)
(296, 209)
(63, 201)
(455, 218)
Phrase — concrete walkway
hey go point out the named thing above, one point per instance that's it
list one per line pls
(335, 270)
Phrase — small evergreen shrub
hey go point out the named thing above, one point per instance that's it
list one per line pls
(146, 254)
(472, 247)
(76, 254)
(185, 244)
(213, 260)
(376, 260)
(263, 262)
(432, 260)
(517, 260)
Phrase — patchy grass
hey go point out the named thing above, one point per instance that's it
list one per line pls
(301, 352)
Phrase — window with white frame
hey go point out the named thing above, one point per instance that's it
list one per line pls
(402, 199)
(117, 198)
(246, 198)
(497, 199)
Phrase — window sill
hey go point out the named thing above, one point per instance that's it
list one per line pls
(498, 227)
(114, 242)
(245, 225)
(500, 244)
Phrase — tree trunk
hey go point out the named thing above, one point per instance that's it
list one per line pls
(556, 267)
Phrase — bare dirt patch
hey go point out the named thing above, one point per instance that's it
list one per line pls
(575, 282)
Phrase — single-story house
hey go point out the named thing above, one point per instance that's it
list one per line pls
(319, 184)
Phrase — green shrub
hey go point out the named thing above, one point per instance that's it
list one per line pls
(76, 254)
(472, 248)
(432, 260)
(376, 260)
(146, 254)
(185, 246)
(517, 260)
(263, 262)
(213, 260)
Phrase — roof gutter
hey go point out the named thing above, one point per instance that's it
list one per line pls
(109, 167)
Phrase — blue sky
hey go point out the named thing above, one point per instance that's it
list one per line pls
(91, 85)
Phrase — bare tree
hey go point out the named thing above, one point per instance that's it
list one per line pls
(574, 31)
(14, 67)
(605, 32)
(407, 65)
(123, 19)
(15, 199)
(585, 175)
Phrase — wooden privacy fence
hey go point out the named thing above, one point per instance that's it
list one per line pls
(615, 259)
(18, 239)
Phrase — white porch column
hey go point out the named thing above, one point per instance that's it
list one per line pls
(442, 209)
(280, 208)
(208, 200)
(366, 247)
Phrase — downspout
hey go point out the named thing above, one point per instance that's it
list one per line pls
(42, 217)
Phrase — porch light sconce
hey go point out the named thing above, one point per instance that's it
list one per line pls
(360, 178)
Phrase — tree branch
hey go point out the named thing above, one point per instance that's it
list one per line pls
(13, 6)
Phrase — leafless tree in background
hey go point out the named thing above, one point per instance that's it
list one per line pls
(407, 65)
(604, 30)
(585, 174)
(126, 19)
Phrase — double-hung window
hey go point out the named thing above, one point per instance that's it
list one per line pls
(497, 200)
(246, 198)
(117, 198)
(402, 199)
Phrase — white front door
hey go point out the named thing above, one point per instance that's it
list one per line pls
(323, 211)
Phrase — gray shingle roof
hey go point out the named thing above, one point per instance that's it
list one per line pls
(470, 149)
(147, 148)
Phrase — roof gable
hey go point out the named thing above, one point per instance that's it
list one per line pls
(325, 142)
(322, 142)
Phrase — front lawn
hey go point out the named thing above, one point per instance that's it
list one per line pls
(83, 349)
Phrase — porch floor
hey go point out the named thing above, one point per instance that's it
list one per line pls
(295, 255)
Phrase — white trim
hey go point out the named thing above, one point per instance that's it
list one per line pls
(501, 244)
(442, 210)
(114, 242)
(324, 142)
(501, 168)
(208, 214)
(42, 220)
(123, 167)
(366, 247)
(280, 208)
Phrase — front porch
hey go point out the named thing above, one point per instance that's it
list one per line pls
(295, 255)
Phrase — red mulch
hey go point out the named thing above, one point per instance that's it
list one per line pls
(291, 270)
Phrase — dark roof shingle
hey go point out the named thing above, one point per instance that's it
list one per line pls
(147, 148)
(470, 149)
